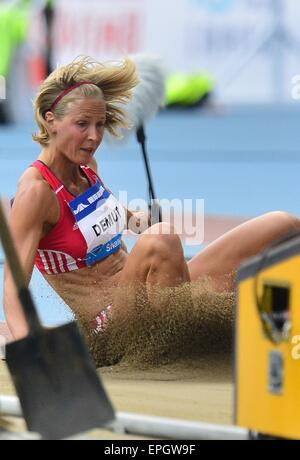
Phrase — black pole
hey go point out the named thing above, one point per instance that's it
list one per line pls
(141, 138)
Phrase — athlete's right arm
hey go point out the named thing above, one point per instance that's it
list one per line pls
(30, 213)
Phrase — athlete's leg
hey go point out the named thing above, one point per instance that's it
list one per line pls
(220, 259)
(156, 259)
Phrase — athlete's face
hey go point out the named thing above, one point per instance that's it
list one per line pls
(78, 135)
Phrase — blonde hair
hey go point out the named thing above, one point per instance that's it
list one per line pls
(113, 81)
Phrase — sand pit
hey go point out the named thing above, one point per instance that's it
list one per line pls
(195, 390)
(173, 361)
(198, 390)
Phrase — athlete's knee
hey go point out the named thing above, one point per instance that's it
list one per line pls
(286, 220)
(162, 243)
(162, 228)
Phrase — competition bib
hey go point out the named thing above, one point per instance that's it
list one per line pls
(101, 220)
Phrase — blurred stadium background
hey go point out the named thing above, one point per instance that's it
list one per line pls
(239, 151)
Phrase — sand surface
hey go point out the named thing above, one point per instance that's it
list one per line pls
(195, 390)
(198, 390)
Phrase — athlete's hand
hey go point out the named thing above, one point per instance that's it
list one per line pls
(138, 222)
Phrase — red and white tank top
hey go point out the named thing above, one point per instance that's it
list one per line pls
(89, 227)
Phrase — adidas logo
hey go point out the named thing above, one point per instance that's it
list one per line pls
(80, 208)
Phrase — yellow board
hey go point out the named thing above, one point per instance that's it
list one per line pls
(267, 370)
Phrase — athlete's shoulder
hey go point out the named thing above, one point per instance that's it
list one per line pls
(34, 192)
(32, 181)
